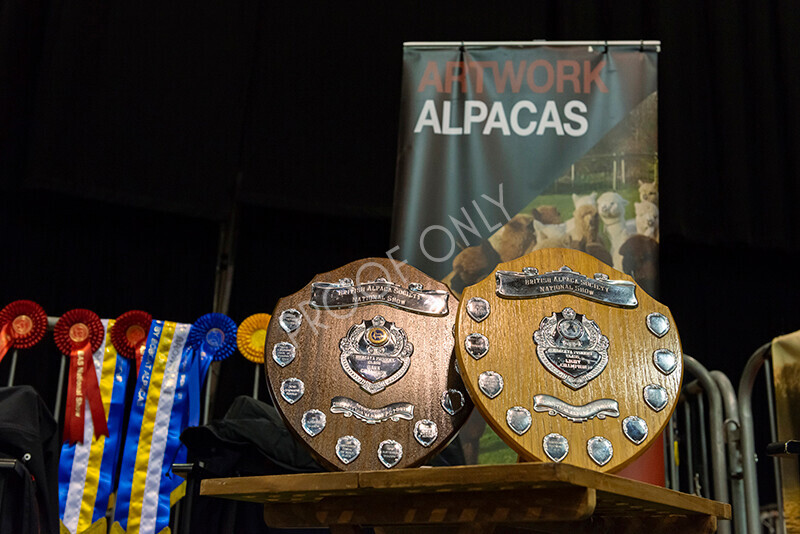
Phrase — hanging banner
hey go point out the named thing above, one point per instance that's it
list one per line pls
(506, 148)
(87, 469)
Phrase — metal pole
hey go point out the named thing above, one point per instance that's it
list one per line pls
(701, 423)
(13, 370)
(773, 434)
(673, 461)
(748, 439)
(256, 381)
(733, 438)
(689, 442)
(715, 419)
(60, 387)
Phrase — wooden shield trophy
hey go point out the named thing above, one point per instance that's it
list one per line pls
(360, 364)
(568, 359)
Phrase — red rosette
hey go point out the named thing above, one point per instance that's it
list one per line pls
(79, 334)
(129, 334)
(22, 325)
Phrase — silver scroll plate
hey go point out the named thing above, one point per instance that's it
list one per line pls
(425, 432)
(292, 390)
(665, 360)
(635, 429)
(351, 408)
(283, 353)
(477, 345)
(655, 396)
(346, 294)
(571, 347)
(555, 446)
(518, 419)
(313, 422)
(490, 383)
(478, 309)
(348, 448)
(600, 408)
(600, 450)
(658, 324)
(452, 401)
(290, 320)
(375, 354)
(390, 453)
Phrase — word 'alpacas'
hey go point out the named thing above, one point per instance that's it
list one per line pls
(611, 207)
(648, 192)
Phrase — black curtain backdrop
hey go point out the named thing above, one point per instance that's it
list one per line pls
(124, 127)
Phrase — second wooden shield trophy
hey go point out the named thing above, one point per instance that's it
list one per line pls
(360, 364)
(568, 359)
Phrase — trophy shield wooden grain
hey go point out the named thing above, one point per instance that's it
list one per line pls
(568, 359)
(360, 364)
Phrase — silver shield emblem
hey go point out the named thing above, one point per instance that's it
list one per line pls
(635, 429)
(375, 354)
(665, 360)
(452, 401)
(519, 419)
(425, 432)
(348, 448)
(477, 345)
(490, 383)
(478, 309)
(657, 324)
(655, 396)
(283, 353)
(571, 347)
(292, 389)
(290, 320)
(313, 422)
(555, 446)
(390, 453)
(600, 450)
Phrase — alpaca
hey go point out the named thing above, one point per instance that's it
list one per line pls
(648, 192)
(611, 207)
(647, 223)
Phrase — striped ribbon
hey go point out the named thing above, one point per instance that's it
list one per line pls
(152, 443)
(87, 469)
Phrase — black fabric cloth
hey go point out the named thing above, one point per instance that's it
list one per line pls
(28, 434)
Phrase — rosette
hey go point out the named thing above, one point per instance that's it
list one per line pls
(78, 334)
(252, 335)
(22, 325)
(212, 338)
(129, 335)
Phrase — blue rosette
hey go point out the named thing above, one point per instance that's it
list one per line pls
(213, 334)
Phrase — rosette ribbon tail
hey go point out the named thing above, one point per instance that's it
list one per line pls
(82, 387)
(6, 340)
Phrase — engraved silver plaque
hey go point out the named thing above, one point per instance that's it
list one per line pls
(600, 408)
(390, 453)
(478, 309)
(657, 324)
(375, 354)
(292, 389)
(635, 429)
(283, 353)
(477, 345)
(452, 401)
(425, 432)
(348, 448)
(327, 296)
(490, 383)
(571, 347)
(655, 396)
(351, 408)
(290, 320)
(313, 422)
(665, 360)
(600, 450)
(519, 419)
(555, 446)
(530, 284)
